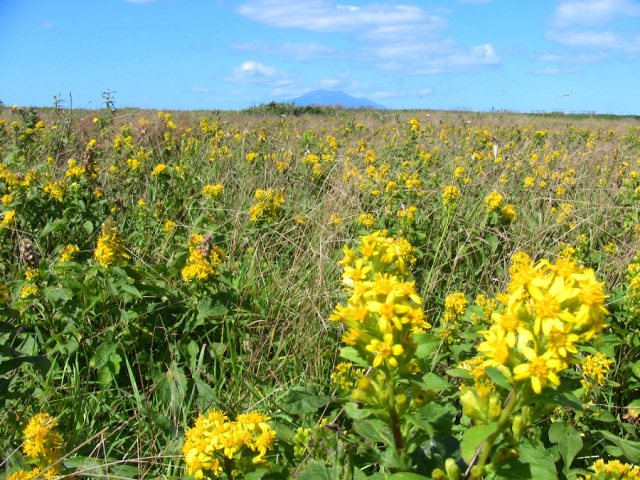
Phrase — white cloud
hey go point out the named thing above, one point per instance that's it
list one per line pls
(404, 38)
(385, 94)
(574, 58)
(593, 12)
(299, 51)
(325, 16)
(253, 73)
(599, 40)
(48, 25)
(557, 70)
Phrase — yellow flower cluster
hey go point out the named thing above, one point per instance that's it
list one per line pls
(110, 247)
(73, 169)
(613, 470)
(212, 191)
(42, 446)
(494, 202)
(384, 310)
(159, 169)
(633, 286)
(267, 206)
(455, 305)
(55, 190)
(595, 368)
(214, 442)
(68, 253)
(204, 259)
(450, 195)
(550, 307)
(8, 219)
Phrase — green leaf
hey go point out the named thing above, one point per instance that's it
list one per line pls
(426, 344)
(316, 470)
(131, 290)
(57, 294)
(88, 227)
(41, 363)
(300, 401)
(431, 381)
(101, 355)
(498, 378)
(351, 354)
(407, 476)
(473, 437)
(355, 412)
(375, 430)
(630, 449)
(459, 373)
(568, 440)
(541, 460)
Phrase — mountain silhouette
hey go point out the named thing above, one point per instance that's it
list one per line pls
(335, 99)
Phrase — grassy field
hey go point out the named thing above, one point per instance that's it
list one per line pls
(371, 286)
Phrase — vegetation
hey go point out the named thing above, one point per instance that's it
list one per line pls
(363, 294)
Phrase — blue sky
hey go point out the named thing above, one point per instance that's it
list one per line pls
(520, 55)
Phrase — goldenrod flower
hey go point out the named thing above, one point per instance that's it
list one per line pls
(110, 246)
(42, 444)
(541, 370)
(450, 195)
(8, 219)
(204, 259)
(68, 253)
(212, 191)
(493, 201)
(385, 351)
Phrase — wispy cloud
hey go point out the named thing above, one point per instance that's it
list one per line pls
(599, 40)
(574, 58)
(593, 12)
(406, 39)
(48, 25)
(199, 90)
(298, 51)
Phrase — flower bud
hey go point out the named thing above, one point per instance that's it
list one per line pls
(453, 470)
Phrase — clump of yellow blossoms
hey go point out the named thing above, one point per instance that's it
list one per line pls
(212, 191)
(595, 368)
(612, 470)
(549, 309)
(68, 253)
(110, 247)
(450, 195)
(8, 219)
(204, 259)
(633, 286)
(367, 219)
(216, 444)
(384, 309)
(493, 201)
(42, 446)
(267, 206)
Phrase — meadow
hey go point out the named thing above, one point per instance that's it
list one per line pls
(318, 294)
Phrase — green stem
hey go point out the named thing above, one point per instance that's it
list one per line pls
(503, 422)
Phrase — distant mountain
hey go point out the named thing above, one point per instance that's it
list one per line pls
(334, 99)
